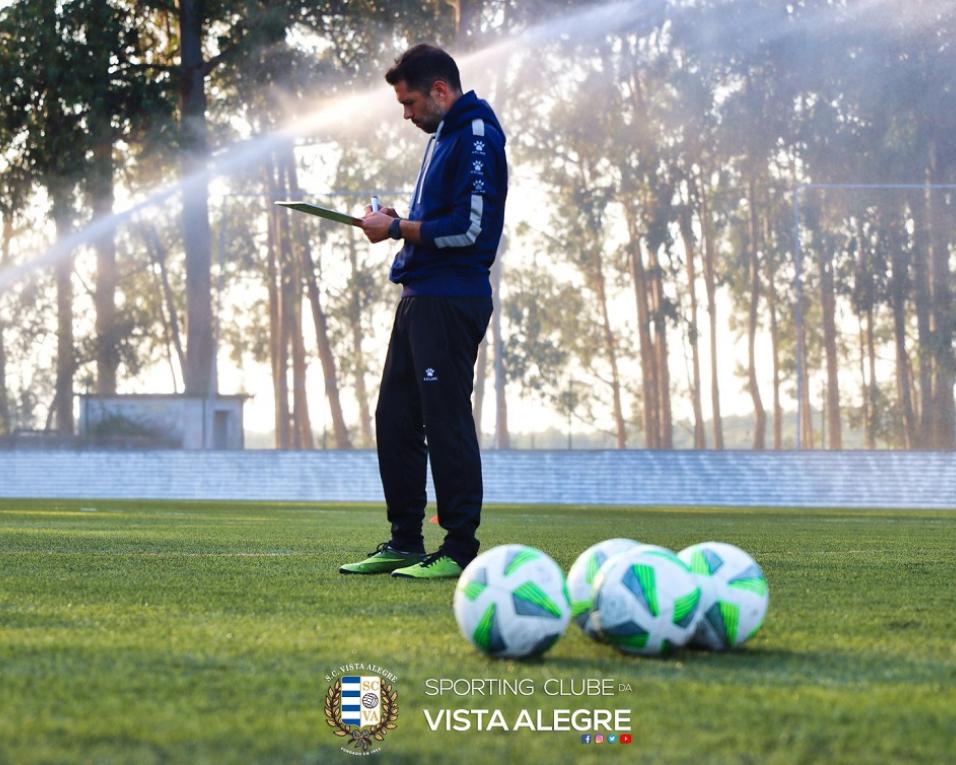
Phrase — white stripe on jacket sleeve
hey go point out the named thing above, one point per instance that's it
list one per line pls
(477, 206)
(474, 229)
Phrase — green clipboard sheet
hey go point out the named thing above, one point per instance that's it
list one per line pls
(321, 212)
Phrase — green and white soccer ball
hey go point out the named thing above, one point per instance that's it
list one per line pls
(581, 580)
(512, 601)
(734, 594)
(646, 601)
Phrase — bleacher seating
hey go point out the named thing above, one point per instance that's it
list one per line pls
(635, 477)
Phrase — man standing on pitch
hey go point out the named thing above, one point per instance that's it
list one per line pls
(450, 238)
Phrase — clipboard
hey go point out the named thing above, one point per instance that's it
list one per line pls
(321, 212)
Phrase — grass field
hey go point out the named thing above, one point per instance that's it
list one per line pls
(153, 632)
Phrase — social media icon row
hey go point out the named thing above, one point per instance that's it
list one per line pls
(600, 738)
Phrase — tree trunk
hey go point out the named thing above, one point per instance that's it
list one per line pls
(687, 236)
(502, 436)
(6, 425)
(157, 254)
(771, 273)
(944, 420)
(60, 189)
(662, 368)
(287, 305)
(277, 352)
(650, 378)
(872, 391)
(866, 298)
(861, 339)
(359, 365)
(467, 15)
(648, 364)
(107, 354)
(294, 235)
(806, 418)
(611, 350)
(775, 353)
(65, 362)
(339, 430)
(300, 399)
(921, 259)
(101, 192)
(196, 235)
(898, 289)
(167, 333)
(753, 262)
(828, 307)
(710, 282)
(481, 372)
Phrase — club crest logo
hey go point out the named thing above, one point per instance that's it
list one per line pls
(361, 709)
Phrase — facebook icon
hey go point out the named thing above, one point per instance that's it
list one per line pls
(586, 738)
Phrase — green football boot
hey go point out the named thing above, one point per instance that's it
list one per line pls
(434, 566)
(381, 560)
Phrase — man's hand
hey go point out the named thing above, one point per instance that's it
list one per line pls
(375, 224)
(390, 211)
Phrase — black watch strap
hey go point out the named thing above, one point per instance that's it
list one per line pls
(395, 229)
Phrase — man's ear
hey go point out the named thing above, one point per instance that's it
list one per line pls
(441, 91)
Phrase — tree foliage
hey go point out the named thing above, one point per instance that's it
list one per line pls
(671, 145)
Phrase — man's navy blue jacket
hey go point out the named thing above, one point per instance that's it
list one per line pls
(460, 199)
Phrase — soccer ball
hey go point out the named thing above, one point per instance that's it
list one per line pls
(581, 579)
(646, 601)
(734, 594)
(512, 601)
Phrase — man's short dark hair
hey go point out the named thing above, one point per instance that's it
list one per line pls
(421, 66)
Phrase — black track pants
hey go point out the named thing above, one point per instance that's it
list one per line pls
(426, 397)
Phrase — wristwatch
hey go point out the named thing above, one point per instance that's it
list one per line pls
(395, 229)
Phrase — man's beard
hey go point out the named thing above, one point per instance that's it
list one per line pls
(430, 122)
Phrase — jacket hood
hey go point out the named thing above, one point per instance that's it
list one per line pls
(467, 108)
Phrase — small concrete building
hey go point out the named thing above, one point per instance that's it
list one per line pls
(163, 421)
